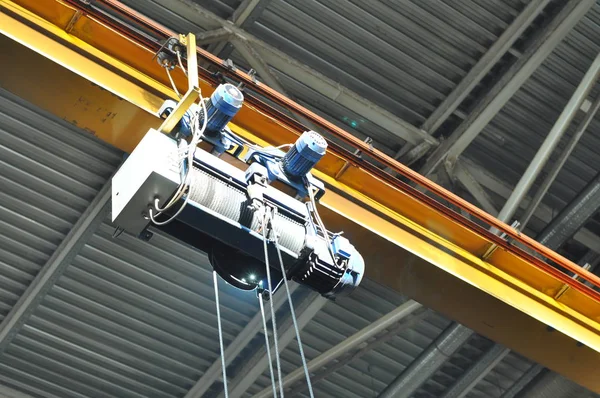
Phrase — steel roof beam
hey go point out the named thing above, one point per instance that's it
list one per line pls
(62, 257)
(471, 184)
(477, 372)
(428, 362)
(248, 11)
(385, 322)
(573, 216)
(523, 381)
(375, 343)
(560, 162)
(543, 212)
(304, 74)
(510, 82)
(559, 128)
(256, 62)
(244, 15)
(562, 227)
(213, 36)
(484, 65)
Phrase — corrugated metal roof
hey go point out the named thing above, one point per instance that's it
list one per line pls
(513, 137)
(130, 319)
(48, 175)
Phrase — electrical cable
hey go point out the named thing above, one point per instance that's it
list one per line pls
(270, 288)
(221, 345)
(292, 312)
(152, 216)
(320, 223)
(180, 62)
(172, 82)
(269, 358)
(197, 133)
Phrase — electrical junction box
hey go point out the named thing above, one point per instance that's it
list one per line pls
(151, 171)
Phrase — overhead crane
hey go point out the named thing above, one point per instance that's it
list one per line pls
(92, 65)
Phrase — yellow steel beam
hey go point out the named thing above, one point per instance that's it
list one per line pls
(408, 245)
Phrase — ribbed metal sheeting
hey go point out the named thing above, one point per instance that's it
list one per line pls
(406, 56)
(339, 320)
(515, 134)
(403, 56)
(223, 8)
(551, 385)
(369, 374)
(501, 377)
(49, 173)
(127, 319)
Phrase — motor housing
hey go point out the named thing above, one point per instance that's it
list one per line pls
(304, 154)
(222, 106)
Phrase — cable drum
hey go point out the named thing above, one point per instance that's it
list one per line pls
(233, 203)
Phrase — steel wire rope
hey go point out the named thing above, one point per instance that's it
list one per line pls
(270, 288)
(220, 329)
(268, 345)
(292, 312)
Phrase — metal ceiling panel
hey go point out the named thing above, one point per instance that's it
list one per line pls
(48, 175)
(516, 133)
(223, 8)
(132, 319)
(127, 319)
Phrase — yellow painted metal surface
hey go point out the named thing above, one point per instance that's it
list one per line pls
(408, 245)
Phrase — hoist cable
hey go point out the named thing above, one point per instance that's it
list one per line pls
(221, 345)
(270, 288)
(270, 359)
(292, 312)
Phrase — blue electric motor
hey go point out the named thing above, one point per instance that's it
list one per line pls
(304, 154)
(222, 106)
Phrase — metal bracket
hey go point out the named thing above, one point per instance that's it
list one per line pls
(492, 248)
(368, 141)
(565, 288)
(193, 92)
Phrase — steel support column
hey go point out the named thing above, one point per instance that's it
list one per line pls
(509, 84)
(83, 229)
